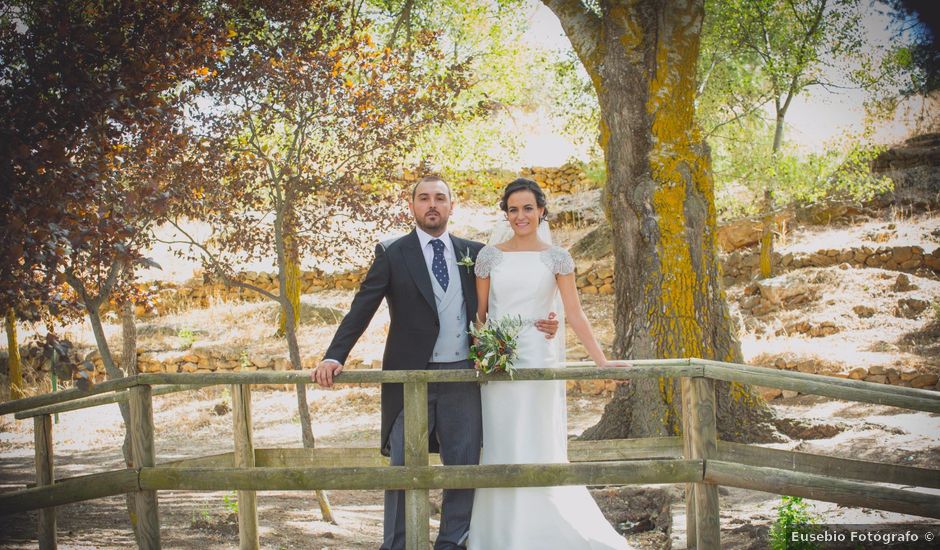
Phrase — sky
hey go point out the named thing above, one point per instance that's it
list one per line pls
(814, 120)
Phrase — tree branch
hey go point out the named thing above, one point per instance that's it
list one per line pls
(217, 264)
(581, 27)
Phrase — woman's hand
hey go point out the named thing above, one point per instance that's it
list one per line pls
(619, 364)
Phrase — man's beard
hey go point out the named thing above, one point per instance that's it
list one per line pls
(427, 225)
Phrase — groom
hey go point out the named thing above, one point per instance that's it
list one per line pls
(431, 301)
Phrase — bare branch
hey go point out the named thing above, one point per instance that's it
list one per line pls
(217, 264)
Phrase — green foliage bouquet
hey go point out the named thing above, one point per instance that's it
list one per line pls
(494, 347)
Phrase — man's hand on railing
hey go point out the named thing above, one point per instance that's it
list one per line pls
(618, 364)
(325, 371)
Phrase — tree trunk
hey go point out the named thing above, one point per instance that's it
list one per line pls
(286, 262)
(659, 199)
(14, 363)
(293, 282)
(113, 372)
(129, 364)
(767, 236)
(767, 217)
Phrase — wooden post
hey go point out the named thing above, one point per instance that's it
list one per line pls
(42, 432)
(703, 436)
(417, 506)
(245, 458)
(690, 535)
(148, 515)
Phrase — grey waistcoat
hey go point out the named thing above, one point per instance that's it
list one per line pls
(453, 343)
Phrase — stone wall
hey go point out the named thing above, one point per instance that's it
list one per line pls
(567, 178)
(741, 266)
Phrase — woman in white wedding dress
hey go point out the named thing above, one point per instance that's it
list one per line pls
(525, 422)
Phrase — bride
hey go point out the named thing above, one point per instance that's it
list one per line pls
(525, 422)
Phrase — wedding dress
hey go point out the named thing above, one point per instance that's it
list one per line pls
(525, 422)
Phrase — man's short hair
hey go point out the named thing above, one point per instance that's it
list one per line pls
(425, 179)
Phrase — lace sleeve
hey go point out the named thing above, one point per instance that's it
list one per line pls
(558, 260)
(487, 259)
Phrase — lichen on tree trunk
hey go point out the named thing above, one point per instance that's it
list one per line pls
(293, 282)
(641, 56)
(14, 363)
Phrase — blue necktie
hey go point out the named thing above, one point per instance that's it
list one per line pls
(438, 265)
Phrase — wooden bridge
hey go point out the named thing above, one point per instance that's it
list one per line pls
(698, 459)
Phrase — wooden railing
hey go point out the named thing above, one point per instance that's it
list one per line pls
(698, 458)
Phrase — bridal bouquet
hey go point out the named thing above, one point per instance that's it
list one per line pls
(494, 348)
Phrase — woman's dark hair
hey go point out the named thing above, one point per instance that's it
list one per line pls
(523, 184)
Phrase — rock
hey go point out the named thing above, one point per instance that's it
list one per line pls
(763, 308)
(827, 213)
(903, 284)
(922, 150)
(781, 289)
(321, 315)
(894, 376)
(738, 234)
(876, 378)
(924, 381)
(864, 312)
(752, 289)
(876, 369)
(910, 308)
(594, 246)
(933, 260)
(748, 302)
(581, 207)
(858, 373)
(809, 366)
(787, 394)
(825, 328)
(800, 327)
(768, 393)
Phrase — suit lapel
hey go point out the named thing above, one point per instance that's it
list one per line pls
(414, 260)
(466, 279)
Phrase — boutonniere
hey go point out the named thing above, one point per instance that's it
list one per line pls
(466, 260)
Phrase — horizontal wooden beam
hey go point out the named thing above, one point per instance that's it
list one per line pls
(355, 376)
(830, 489)
(624, 449)
(829, 386)
(76, 489)
(422, 477)
(66, 395)
(833, 380)
(362, 457)
(98, 400)
(808, 463)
